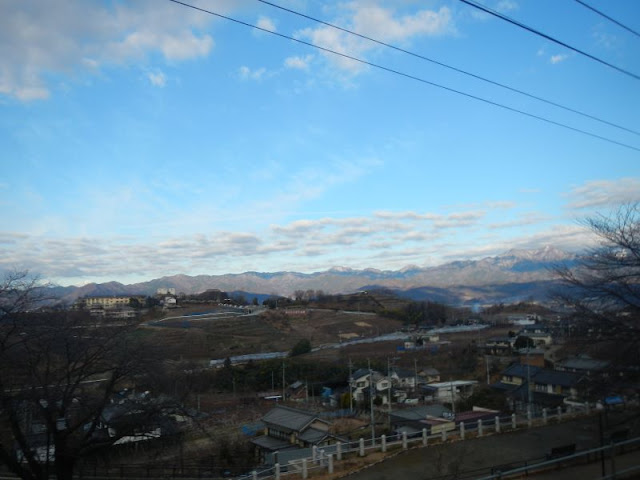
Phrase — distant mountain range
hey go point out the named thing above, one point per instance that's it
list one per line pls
(516, 275)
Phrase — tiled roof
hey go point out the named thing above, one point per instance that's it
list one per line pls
(539, 398)
(404, 372)
(471, 416)
(507, 387)
(555, 377)
(419, 413)
(583, 362)
(272, 444)
(521, 371)
(361, 372)
(313, 436)
(289, 418)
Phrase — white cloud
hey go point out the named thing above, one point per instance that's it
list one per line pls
(298, 63)
(245, 73)
(267, 24)
(383, 240)
(383, 24)
(561, 57)
(81, 37)
(157, 79)
(506, 6)
(604, 193)
(605, 40)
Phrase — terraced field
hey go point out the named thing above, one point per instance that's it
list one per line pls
(201, 338)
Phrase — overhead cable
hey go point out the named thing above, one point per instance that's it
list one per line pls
(548, 37)
(409, 76)
(613, 20)
(455, 69)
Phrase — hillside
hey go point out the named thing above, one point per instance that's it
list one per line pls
(517, 275)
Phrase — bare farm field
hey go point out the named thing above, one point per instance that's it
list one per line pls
(193, 338)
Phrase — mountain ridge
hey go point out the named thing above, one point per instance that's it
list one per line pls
(516, 266)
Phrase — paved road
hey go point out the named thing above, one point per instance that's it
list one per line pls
(475, 458)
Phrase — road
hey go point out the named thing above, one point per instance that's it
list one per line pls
(475, 458)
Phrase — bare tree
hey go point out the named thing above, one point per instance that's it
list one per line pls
(61, 384)
(607, 277)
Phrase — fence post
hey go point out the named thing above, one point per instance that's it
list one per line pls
(383, 440)
(559, 413)
(361, 447)
(254, 475)
(544, 416)
(330, 463)
(444, 435)
(529, 417)
(314, 454)
(339, 450)
(514, 424)
(305, 469)
(497, 420)
(277, 471)
(404, 440)
(480, 428)
(322, 457)
(462, 430)
(425, 437)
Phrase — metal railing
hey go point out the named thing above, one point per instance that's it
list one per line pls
(606, 454)
(327, 458)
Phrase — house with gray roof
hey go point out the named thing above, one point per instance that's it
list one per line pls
(364, 382)
(557, 382)
(514, 376)
(528, 385)
(582, 363)
(289, 428)
(414, 420)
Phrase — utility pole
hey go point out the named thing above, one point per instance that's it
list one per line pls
(389, 380)
(373, 422)
(486, 358)
(350, 386)
(529, 391)
(453, 398)
(283, 384)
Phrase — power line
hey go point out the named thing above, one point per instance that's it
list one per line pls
(547, 37)
(593, 9)
(455, 69)
(409, 76)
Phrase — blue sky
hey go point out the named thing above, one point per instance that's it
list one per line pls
(143, 138)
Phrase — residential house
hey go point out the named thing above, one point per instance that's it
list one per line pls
(289, 428)
(528, 386)
(560, 383)
(583, 364)
(471, 417)
(297, 391)
(404, 378)
(412, 420)
(514, 376)
(365, 382)
(538, 333)
(499, 345)
(448, 391)
(429, 375)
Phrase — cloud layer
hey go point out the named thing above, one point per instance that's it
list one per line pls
(39, 41)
